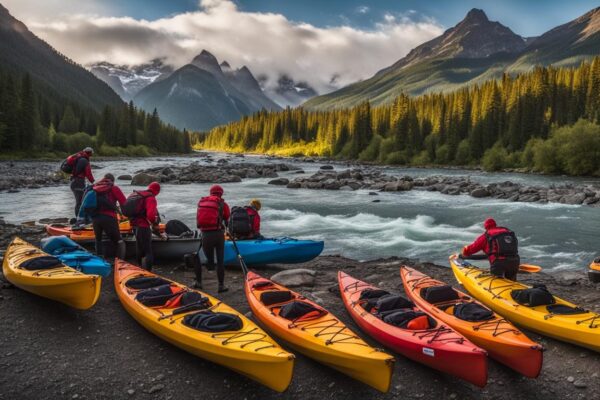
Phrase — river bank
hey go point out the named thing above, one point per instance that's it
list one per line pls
(103, 353)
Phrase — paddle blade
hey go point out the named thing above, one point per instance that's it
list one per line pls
(532, 269)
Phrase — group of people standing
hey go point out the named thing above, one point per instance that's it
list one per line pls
(215, 219)
(103, 204)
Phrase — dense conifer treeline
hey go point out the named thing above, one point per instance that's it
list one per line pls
(504, 120)
(35, 118)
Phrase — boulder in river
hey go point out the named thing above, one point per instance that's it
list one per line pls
(143, 179)
(279, 181)
(295, 277)
(480, 192)
(124, 177)
(326, 167)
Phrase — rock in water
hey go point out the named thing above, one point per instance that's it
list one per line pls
(480, 192)
(125, 177)
(295, 277)
(143, 179)
(326, 167)
(279, 181)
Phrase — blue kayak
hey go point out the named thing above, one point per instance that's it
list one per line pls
(273, 251)
(72, 254)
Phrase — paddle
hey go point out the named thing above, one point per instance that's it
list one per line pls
(239, 256)
(530, 268)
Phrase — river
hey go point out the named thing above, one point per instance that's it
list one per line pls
(416, 224)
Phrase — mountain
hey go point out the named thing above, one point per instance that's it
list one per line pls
(289, 92)
(473, 51)
(567, 44)
(21, 51)
(127, 81)
(203, 94)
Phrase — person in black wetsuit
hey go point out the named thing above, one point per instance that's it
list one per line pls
(82, 170)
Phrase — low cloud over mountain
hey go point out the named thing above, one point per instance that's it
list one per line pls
(269, 44)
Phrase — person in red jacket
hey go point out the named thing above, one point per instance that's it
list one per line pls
(212, 215)
(146, 222)
(501, 247)
(105, 219)
(253, 210)
(82, 170)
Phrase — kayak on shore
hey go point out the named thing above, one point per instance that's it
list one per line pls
(387, 318)
(202, 325)
(29, 268)
(555, 317)
(501, 339)
(86, 232)
(273, 251)
(315, 332)
(75, 256)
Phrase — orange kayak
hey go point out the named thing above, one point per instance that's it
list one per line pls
(313, 331)
(246, 348)
(502, 340)
(86, 233)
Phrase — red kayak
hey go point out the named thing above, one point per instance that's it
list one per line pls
(406, 329)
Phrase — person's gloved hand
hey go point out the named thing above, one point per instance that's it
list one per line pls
(460, 255)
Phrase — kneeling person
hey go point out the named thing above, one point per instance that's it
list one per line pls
(244, 222)
(141, 208)
(501, 247)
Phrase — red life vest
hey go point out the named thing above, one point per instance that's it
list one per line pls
(209, 216)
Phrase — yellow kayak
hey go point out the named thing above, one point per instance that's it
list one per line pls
(247, 349)
(563, 320)
(60, 282)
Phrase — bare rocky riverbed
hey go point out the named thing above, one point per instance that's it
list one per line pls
(49, 351)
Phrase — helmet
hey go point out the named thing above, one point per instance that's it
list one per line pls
(154, 187)
(489, 223)
(256, 204)
(216, 190)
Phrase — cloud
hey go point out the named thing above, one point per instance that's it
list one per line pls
(363, 9)
(268, 43)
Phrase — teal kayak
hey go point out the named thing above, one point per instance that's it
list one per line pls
(273, 251)
(72, 254)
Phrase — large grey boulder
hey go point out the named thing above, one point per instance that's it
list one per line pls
(143, 179)
(295, 277)
(279, 181)
(480, 192)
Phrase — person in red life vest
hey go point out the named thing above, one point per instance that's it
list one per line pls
(253, 210)
(82, 170)
(212, 215)
(145, 221)
(104, 219)
(244, 222)
(501, 247)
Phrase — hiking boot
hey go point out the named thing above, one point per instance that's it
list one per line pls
(222, 288)
(197, 285)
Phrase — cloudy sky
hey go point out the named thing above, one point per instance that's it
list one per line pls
(327, 43)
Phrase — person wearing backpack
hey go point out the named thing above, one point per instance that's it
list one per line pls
(244, 222)
(213, 213)
(141, 208)
(501, 247)
(78, 165)
(104, 217)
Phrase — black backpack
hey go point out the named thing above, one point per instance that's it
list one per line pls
(135, 205)
(538, 295)
(472, 312)
(503, 244)
(240, 222)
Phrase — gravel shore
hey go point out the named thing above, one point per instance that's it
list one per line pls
(49, 351)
